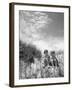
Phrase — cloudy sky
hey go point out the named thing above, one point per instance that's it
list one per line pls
(45, 30)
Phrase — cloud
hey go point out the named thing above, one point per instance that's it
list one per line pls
(34, 30)
(31, 24)
(50, 44)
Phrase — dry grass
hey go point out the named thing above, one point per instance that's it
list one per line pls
(36, 70)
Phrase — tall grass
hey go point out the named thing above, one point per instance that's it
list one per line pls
(29, 70)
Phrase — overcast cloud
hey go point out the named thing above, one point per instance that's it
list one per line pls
(45, 30)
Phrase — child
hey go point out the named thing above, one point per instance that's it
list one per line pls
(55, 64)
(46, 58)
(45, 64)
(54, 59)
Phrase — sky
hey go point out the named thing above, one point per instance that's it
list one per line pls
(45, 30)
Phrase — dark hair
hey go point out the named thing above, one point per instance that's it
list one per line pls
(45, 51)
(52, 52)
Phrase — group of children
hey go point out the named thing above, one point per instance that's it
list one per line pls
(50, 65)
(50, 60)
(46, 67)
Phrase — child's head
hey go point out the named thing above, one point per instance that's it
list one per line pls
(52, 53)
(45, 52)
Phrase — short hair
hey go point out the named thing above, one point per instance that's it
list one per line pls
(45, 51)
(52, 52)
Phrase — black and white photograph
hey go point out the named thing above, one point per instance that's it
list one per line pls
(41, 44)
(40, 52)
